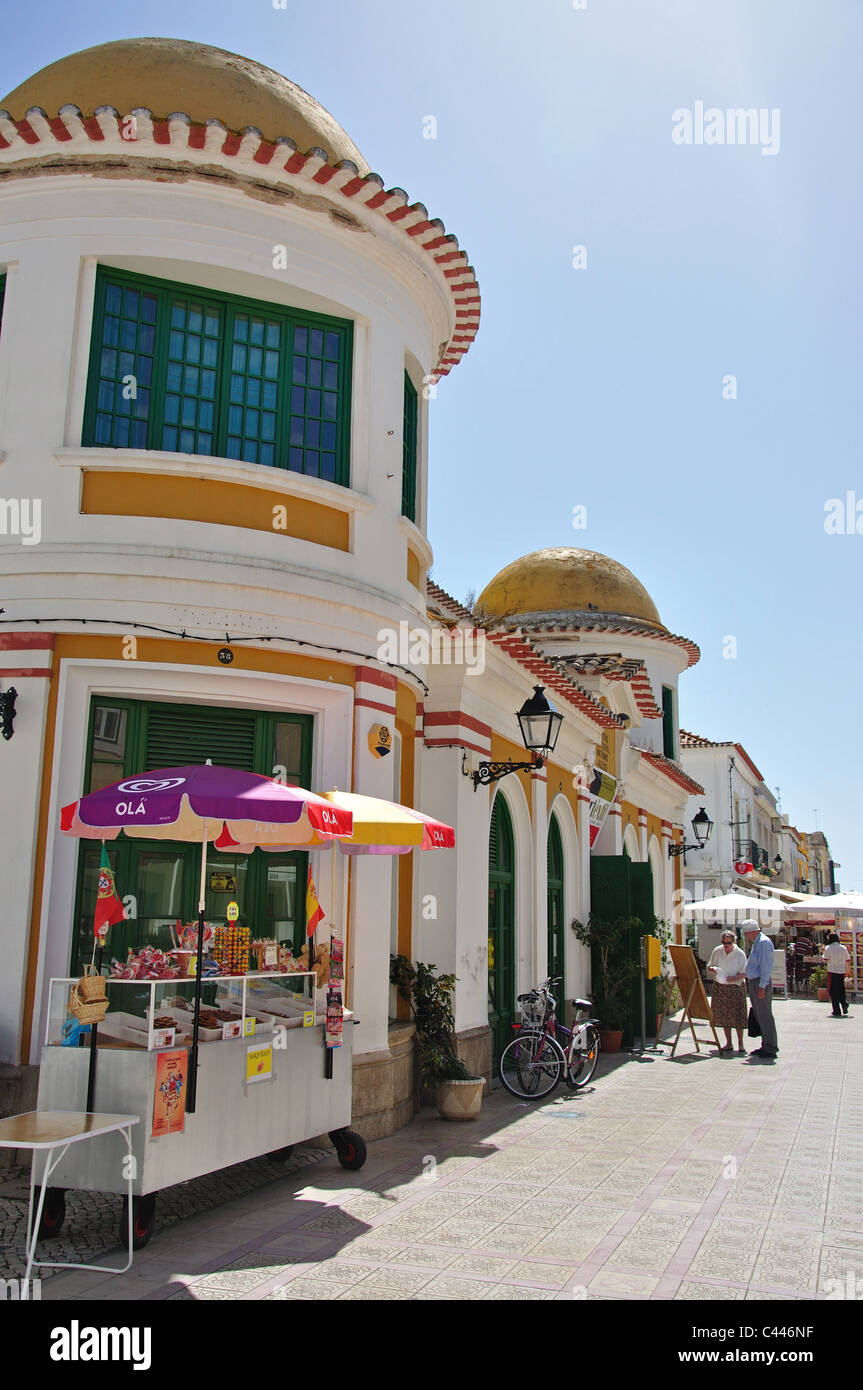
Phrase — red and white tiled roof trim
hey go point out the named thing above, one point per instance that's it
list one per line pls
(672, 771)
(641, 689)
(278, 163)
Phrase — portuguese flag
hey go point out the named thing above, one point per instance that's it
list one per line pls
(109, 908)
(314, 911)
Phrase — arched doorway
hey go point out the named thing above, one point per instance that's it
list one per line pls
(501, 927)
(554, 889)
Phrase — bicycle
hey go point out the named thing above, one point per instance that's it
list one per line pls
(533, 1063)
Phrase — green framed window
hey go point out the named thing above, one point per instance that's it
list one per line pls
(196, 372)
(669, 746)
(162, 878)
(409, 452)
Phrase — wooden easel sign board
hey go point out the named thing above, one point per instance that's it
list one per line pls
(696, 1007)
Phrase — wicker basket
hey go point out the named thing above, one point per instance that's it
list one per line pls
(91, 986)
(87, 1000)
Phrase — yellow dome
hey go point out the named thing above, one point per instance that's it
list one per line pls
(168, 75)
(563, 581)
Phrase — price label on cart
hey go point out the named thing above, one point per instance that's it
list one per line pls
(308, 1018)
(232, 912)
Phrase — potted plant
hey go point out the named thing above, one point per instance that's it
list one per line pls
(458, 1095)
(818, 981)
(613, 971)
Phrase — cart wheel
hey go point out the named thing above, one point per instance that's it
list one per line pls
(143, 1213)
(53, 1213)
(281, 1155)
(350, 1148)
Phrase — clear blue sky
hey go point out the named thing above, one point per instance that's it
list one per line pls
(603, 386)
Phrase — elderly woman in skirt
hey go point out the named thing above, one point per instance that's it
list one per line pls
(727, 967)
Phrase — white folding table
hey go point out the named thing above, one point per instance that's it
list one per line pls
(46, 1131)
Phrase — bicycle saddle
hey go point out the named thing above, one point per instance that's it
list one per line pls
(582, 1004)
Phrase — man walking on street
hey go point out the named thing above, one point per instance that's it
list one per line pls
(758, 982)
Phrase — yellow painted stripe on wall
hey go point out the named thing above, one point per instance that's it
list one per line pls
(414, 569)
(216, 503)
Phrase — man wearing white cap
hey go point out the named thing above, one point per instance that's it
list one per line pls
(758, 969)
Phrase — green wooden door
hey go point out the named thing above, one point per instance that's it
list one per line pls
(619, 888)
(554, 882)
(501, 927)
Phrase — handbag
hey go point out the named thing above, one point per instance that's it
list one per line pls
(753, 1027)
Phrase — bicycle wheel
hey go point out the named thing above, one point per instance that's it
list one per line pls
(531, 1065)
(581, 1064)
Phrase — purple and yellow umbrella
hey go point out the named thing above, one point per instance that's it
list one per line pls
(203, 803)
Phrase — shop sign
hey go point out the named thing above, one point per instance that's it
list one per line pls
(222, 883)
(380, 740)
(308, 1018)
(232, 912)
(602, 789)
(259, 1063)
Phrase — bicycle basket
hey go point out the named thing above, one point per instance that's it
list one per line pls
(535, 1009)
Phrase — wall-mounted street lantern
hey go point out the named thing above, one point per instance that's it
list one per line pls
(540, 725)
(7, 711)
(777, 863)
(701, 828)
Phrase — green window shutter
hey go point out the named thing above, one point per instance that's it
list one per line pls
(409, 451)
(668, 745)
(218, 375)
(178, 735)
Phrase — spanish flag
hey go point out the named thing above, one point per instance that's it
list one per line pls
(314, 911)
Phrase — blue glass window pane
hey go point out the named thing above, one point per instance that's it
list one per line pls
(178, 314)
(103, 429)
(274, 335)
(174, 378)
(312, 462)
(196, 319)
(235, 419)
(111, 331)
(299, 371)
(138, 435)
(313, 433)
(130, 304)
(113, 299)
(316, 346)
(210, 354)
(256, 358)
(298, 398)
(267, 455)
(169, 439)
(172, 410)
(295, 460)
(191, 377)
(237, 387)
(253, 390)
(314, 405)
(271, 365)
(241, 328)
(250, 451)
(297, 429)
(330, 399)
(270, 395)
(233, 449)
(331, 376)
(205, 416)
(268, 425)
(328, 435)
(257, 332)
(190, 412)
(251, 423)
(205, 444)
(121, 433)
(238, 358)
(208, 385)
(108, 363)
(328, 467)
(129, 334)
(315, 372)
(146, 338)
(332, 345)
(175, 345)
(301, 340)
(187, 442)
(193, 348)
(105, 395)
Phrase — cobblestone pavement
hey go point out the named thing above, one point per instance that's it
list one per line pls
(706, 1177)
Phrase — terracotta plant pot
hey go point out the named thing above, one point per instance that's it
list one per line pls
(610, 1039)
(823, 995)
(460, 1100)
